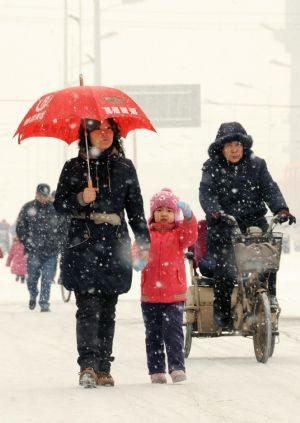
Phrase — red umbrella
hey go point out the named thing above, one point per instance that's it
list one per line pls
(59, 114)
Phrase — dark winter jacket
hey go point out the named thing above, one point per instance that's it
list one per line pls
(240, 189)
(38, 228)
(97, 257)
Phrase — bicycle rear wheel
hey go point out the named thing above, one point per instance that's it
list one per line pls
(65, 294)
(262, 338)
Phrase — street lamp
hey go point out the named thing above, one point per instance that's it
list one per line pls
(268, 95)
(97, 43)
(98, 37)
(78, 20)
(279, 63)
(243, 85)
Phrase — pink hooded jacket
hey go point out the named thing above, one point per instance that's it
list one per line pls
(164, 278)
(16, 259)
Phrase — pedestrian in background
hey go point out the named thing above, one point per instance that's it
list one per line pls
(4, 236)
(163, 285)
(39, 230)
(16, 260)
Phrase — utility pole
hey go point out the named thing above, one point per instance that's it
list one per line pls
(80, 36)
(66, 63)
(97, 43)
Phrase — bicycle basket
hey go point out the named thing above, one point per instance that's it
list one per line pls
(257, 253)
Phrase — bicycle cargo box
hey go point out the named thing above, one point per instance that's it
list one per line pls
(258, 253)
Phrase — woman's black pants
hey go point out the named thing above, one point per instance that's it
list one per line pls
(95, 330)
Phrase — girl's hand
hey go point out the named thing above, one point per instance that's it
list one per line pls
(141, 260)
(139, 265)
(185, 208)
(143, 255)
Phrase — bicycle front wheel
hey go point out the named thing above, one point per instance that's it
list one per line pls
(188, 339)
(262, 338)
(273, 339)
(65, 294)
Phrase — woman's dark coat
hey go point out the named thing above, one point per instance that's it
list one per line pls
(97, 257)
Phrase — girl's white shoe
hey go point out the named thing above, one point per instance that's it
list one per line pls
(158, 378)
(178, 376)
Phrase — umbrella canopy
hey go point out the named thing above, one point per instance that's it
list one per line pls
(58, 114)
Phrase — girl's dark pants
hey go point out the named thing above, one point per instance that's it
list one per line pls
(95, 330)
(163, 323)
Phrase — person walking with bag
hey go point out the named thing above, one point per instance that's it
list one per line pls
(163, 284)
(97, 263)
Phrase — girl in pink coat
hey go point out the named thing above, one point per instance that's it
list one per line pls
(163, 285)
(17, 260)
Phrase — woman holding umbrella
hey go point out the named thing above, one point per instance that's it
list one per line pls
(96, 263)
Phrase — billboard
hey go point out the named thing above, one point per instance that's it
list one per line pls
(167, 106)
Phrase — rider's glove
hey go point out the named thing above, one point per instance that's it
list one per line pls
(216, 215)
(139, 265)
(185, 208)
(286, 216)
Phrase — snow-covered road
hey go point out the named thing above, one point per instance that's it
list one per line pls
(225, 383)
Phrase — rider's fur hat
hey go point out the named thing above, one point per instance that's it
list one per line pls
(228, 132)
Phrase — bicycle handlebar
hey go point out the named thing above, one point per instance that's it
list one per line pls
(231, 220)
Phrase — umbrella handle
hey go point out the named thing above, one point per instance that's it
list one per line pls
(90, 183)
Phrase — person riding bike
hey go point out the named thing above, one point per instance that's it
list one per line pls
(236, 182)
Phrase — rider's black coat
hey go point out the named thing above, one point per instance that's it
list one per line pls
(242, 190)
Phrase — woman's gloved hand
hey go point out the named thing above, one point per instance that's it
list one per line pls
(216, 215)
(286, 216)
(185, 208)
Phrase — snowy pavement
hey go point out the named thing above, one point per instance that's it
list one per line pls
(225, 383)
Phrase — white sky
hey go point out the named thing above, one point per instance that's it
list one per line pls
(223, 45)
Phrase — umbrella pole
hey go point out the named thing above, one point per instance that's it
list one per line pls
(81, 83)
(89, 181)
